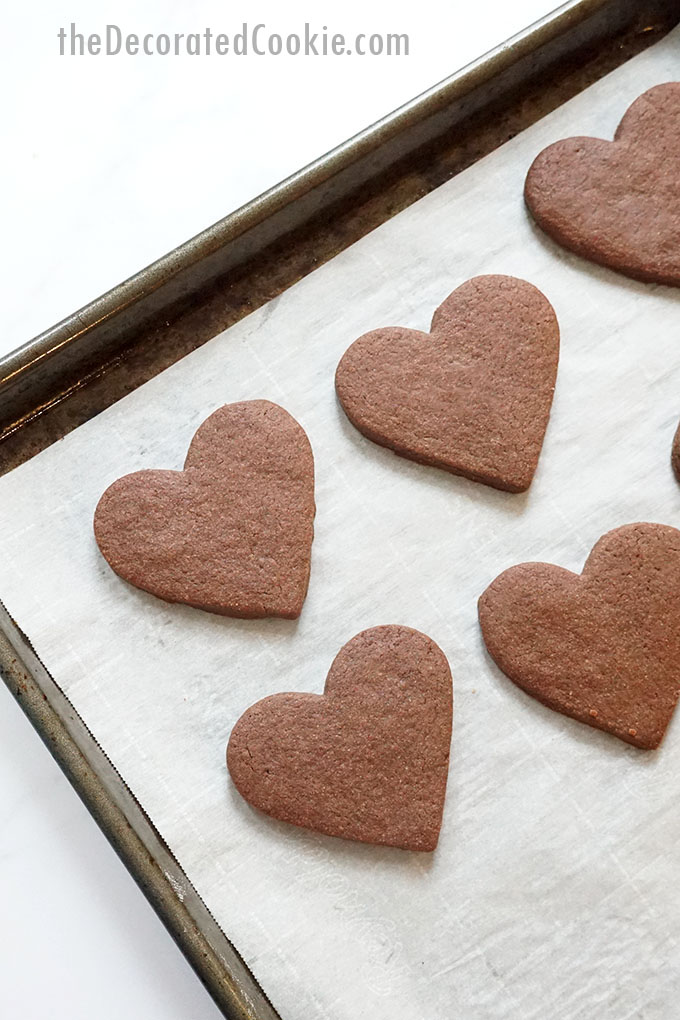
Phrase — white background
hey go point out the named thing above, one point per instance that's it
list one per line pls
(110, 162)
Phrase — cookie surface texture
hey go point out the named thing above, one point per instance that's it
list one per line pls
(473, 396)
(617, 203)
(603, 646)
(368, 759)
(232, 532)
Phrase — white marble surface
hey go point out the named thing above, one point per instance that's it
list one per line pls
(113, 162)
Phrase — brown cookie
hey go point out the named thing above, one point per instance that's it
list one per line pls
(617, 203)
(675, 455)
(367, 759)
(602, 646)
(232, 532)
(473, 396)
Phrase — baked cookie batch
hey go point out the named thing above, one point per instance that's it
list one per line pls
(232, 532)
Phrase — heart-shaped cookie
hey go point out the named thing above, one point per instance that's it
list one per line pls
(232, 532)
(473, 396)
(675, 455)
(366, 760)
(602, 646)
(617, 203)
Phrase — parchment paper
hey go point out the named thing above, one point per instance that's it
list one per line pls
(554, 892)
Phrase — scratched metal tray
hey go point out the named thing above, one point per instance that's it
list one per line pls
(75, 369)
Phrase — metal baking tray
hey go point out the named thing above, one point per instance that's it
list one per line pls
(89, 360)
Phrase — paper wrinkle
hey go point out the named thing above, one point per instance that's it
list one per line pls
(554, 890)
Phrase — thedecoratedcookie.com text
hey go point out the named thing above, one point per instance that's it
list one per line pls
(257, 40)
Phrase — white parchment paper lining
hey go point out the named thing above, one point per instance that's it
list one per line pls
(554, 891)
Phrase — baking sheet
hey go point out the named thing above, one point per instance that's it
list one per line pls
(553, 891)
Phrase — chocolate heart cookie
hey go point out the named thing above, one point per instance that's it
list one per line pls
(602, 646)
(232, 532)
(366, 760)
(617, 203)
(472, 396)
